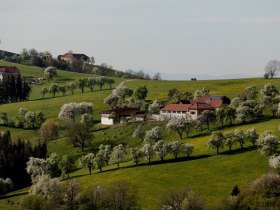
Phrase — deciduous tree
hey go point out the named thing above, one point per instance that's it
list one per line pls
(117, 154)
(87, 162)
(216, 141)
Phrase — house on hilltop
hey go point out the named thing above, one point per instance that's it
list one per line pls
(70, 57)
(8, 71)
(194, 108)
(119, 115)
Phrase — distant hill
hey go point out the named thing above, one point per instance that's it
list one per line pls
(8, 55)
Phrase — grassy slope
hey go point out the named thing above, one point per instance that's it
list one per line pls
(230, 88)
(210, 175)
(213, 176)
(50, 106)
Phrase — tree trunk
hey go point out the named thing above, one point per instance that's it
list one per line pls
(217, 150)
(118, 165)
(149, 160)
(89, 170)
(180, 135)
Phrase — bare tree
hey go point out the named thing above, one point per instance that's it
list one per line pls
(272, 67)
(157, 76)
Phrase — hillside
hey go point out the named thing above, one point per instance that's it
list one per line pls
(212, 176)
(228, 87)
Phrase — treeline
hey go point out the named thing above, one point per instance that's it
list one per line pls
(81, 84)
(25, 119)
(14, 156)
(45, 59)
(14, 89)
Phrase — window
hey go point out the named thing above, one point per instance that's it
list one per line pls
(192, 112)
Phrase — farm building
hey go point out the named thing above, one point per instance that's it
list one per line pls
(8, 71)
(70, 57)
(119, 115)
(193, 108)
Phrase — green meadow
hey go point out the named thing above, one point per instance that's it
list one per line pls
(228, 87)
(212, 176)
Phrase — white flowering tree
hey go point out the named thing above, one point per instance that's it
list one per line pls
(124, 92)
(239, 137)
(6, 185)
(117, 154)
(153, 134)
(45, 186)
(44, 91)
(87, 162)
(251, 135)
(99, 161)
(229, 140)
(139, 133)
(267, 143)
(216, 141)
(274, 162)
(105, 152)
(91, 83)
(87, 119)
(161, 149)
(148, 152)
(37, 167)
(53, 161)
(154, 108)
(136, 155)
(71, 87)
(112, 100)
(187, 149)
(54, 88)
(66, 165)
(4, 118)
(70, 111)
(180, 125)
(175, 148)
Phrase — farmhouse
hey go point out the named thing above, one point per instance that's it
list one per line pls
(70, 57)
(119, 115)
(8, 71)
(193, 108)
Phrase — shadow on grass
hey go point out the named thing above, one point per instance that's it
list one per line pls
(159, 162)
(239, 150)
(14, 195)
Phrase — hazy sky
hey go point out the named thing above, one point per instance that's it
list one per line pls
(174, 37)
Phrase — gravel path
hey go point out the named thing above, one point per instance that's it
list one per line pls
(120, 86)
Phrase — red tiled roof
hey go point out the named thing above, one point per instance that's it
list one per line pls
(119, 110)
(216, 103)
(196, 101)
(205, 98)
(201, 106)
(176, 107)
(9, 70)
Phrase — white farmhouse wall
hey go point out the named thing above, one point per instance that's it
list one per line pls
(172, 114)
(105, 120)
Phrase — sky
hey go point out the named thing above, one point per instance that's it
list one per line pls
(178, 38)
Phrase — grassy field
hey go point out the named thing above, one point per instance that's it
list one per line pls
(51, 106)
(213, 176)
(230, 87)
